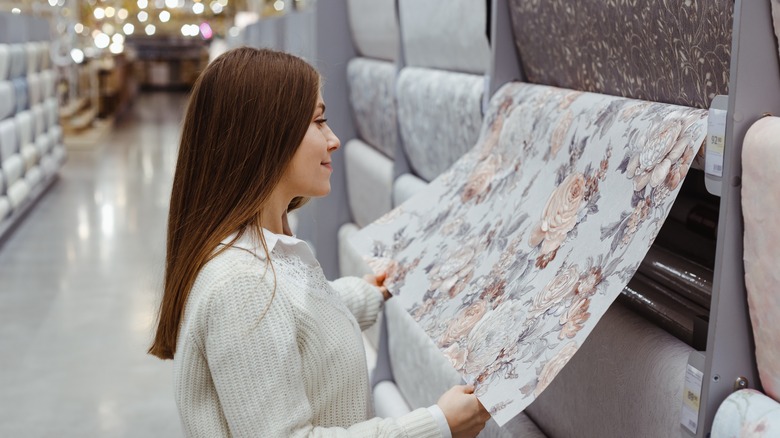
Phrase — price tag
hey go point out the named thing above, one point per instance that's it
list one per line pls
(689, 417)
(716, 138)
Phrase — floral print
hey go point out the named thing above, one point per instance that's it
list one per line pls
(509, 258)
(674, 51)
(747, 414)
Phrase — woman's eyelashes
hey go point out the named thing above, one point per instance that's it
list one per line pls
(321, 121)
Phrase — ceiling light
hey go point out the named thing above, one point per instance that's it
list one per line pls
(78, 27)
(77, 55)
(171, 3)
(223, 2)
(108, 29)
(118, 38)
(215, 7)
(128, 29)
(150, 29)
(279, 5)
(143, 4)
(110, 12)
(165, 16)
(52, 3)
(122, 14)
(116, 48)
(143, 16)
(198, 8)
(99, 13)
(102, 41)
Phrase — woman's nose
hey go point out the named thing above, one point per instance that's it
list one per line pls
(333, 142)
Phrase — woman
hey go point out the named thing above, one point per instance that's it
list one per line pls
(263, 345)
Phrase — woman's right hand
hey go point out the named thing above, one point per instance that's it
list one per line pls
(465, 414)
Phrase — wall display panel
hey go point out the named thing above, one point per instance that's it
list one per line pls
(374, 26)
(33, 52)
(539, 228)
(369, 182)
(18, 61)
(34, 88)
(776, 20)
(8, 139)
(405, 187)
(372, 96)
(5, 207)
(5, 61)
(21, 94)
(7, 99)
(747, 413)
(18, 193)
(439, 114)
(448, 38)
(674, 51)
(761, 207)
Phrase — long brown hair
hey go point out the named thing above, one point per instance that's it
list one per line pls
(248, 113)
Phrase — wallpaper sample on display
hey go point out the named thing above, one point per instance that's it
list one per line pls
(374, 26)
(440, 115)
(372, 96)
(534, 232)
(761, 207)
(674, 51)
(747, 413)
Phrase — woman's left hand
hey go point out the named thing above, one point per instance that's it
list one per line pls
(378, 281)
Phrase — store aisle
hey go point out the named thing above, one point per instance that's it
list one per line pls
(79, 281)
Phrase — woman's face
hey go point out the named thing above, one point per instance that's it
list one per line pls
(309, 172)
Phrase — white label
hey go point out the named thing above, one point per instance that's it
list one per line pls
(716, 138)
(689, 417)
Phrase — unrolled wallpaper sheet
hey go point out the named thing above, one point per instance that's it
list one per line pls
(761, 207)
(747, 413)
(510, 257)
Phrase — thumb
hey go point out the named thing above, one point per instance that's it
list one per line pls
(381, 277)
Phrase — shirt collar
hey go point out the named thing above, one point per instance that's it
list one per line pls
(250, 241)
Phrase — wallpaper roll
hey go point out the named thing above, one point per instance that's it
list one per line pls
(351, 262)
(43, 144)
(59, 154)
(24, 127)
(21, 94)
(34, 88)
(39, 120)
(13, 167)
(440, 114)
(372, 96)
(34, 176)
(691, 279)
(406, 186)
(8, 140)
(747, 414)
(52, 111)
(48, 165)
(17, 193)
(369, 182)
(7, 99)
(49, 84)
(5, 62)
(55, 134)
(5, 207)
(448, 38)
(33, 52)
(18, 61)
(674, 51)
(374, 25)
(760, 209)
(45, 55)
(511, 256)
(30, 156)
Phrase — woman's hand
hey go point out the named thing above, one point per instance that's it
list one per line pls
(378, 281)
(464, 413)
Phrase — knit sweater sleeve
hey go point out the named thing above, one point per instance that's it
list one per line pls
(257, 370)
(362, 299)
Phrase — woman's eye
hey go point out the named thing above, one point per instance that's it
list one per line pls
(321, 121)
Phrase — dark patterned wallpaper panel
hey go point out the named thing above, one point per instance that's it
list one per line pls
(673, 51)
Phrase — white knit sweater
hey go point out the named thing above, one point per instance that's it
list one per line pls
(300, 370)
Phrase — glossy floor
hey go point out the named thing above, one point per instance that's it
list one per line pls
(79, 281)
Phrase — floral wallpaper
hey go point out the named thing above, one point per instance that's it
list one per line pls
(372, 96)
(747, 414)
(760, 207)
(440, 115)
(675, 51)
(513, 254)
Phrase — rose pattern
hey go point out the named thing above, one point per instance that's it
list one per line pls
(554, 366)
(560, 214)
(515, 252)
(747, 413)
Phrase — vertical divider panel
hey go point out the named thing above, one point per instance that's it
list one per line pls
(504, 60)
(754, 91)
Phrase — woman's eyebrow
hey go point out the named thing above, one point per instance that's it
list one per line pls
(321, 106)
